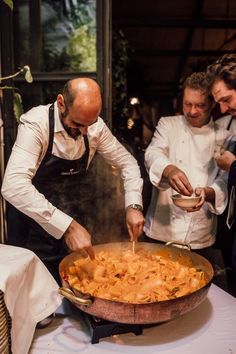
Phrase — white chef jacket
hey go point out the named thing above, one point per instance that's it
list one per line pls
(29, 149)
(192, 150)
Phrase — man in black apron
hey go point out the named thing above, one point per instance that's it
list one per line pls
(58, 179)
(222, 79)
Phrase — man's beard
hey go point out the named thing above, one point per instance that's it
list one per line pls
(73, 132)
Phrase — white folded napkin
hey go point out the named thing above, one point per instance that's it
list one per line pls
(30, 293)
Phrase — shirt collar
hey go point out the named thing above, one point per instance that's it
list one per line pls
(58, 127)
(210, 124)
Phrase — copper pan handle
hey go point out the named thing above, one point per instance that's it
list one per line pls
(69, 295)
(179, 244)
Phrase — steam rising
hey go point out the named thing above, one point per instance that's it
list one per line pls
(100, 206)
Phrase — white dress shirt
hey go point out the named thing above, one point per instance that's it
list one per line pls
(223, 123)
(229, 122)
(29, 149)
(192, 150)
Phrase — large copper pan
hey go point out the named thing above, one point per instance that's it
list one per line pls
(147, 313)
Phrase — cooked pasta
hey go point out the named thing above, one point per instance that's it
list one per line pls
(140, 277)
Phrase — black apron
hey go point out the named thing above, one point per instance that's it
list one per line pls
(59, 181)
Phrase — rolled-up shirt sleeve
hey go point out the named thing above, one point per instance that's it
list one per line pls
(17, 187)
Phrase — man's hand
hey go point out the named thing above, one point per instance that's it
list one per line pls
(77, 238)
(199, 191)
(134, 221)
(178, 180)
(225, 160)
(207, 194)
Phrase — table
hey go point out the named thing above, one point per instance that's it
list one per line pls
(208, 329)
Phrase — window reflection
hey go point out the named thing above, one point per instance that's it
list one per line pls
(56, 35)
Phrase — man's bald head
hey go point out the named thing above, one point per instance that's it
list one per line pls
(79, 104)
(84, 93)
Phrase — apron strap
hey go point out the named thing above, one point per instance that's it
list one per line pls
(86, 154)
(51, 128)
(229, 124)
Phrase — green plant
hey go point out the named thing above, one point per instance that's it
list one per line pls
(9, 3)
(82, 50)
(17, 101)
(79, 47)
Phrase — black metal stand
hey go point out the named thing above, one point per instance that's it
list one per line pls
(101, 328)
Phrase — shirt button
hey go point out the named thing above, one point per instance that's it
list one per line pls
(180, 161)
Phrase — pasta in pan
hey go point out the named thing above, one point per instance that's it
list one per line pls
(140, 277)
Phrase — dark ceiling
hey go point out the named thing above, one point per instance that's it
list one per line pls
(172, 38)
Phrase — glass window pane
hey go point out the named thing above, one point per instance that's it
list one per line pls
(56, 35)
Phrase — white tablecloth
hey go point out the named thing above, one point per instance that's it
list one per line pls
(30, 293)
(208, 329)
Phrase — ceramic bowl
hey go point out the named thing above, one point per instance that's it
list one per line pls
(185, 202)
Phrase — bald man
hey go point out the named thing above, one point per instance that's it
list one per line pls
(54, 147)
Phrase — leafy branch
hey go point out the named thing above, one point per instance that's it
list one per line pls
(17, 101)
(25, 70)
(9, 3)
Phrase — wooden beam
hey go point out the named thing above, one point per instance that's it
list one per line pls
(180, 52)
(173, 23)
(196, 14)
